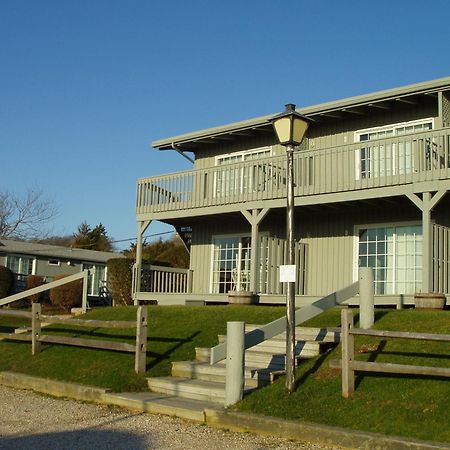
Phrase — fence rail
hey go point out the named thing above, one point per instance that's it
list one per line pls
(394, 161)
(349, 365)
(36, 337)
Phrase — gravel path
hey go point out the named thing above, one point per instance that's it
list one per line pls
(36, 422)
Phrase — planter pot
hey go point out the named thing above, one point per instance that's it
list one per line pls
(241, 297)
(429, 300)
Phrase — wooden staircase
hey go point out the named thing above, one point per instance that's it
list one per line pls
(263, 364)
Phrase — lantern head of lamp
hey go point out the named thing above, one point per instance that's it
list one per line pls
(290, 126)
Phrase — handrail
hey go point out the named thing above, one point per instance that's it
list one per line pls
(45, 287)
(254, 337)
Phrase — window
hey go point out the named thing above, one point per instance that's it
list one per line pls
(231, 264)
(385, 159)
(97, 278)
(54, 262)
(395, 254)
(237, 179)
(21, 265)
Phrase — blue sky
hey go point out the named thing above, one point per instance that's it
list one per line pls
(85, 86)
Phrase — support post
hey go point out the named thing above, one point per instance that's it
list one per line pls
(85, 290)
(366, 298)
(234, 382)
(255, 218)
(35, 328)
(142, 226)
(348, 353)
(140, 360)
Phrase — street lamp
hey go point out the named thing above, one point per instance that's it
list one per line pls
(290, 128)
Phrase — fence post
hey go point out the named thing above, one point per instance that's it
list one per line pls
(141, 340)
(234, 381)
(85, 291)
(366, 298)
(348, 353)
(35, 328)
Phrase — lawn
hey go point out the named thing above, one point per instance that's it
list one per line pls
(410, 406)
(173, 334)
(416, 407)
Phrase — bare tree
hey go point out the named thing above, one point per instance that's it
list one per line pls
(25, 217)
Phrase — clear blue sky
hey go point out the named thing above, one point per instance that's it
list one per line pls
(85, 86)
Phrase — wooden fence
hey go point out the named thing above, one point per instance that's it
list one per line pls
(37, 338)
(349, 365)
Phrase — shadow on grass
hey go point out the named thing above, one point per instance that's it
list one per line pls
(160, 357)
(317, 364)
(372, 358)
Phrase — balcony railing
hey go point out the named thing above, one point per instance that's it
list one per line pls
(384, 162)
(159, 279)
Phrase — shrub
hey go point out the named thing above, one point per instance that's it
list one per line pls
(68, 295)
(120, 274)
(6, 281)
(32, 282)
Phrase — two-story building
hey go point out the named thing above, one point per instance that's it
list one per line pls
(371, 181)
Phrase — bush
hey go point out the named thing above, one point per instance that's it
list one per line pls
(6, 281)
(32, 282)
(68, 295)
(120, 275)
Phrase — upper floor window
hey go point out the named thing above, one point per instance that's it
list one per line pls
(237, 178)
(389, 157)
(21, 265)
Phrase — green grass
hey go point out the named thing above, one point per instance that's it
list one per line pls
(410, 406)
(416, 407)
(173, 334)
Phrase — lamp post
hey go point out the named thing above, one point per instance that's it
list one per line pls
(290, 128)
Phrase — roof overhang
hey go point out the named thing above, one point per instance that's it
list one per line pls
(324, 112)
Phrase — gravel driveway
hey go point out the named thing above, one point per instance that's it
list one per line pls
(36, 422)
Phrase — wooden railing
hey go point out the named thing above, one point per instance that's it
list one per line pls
(164, 280)
(46, 287)
(36, 337)
(384, 162)
(349, 365)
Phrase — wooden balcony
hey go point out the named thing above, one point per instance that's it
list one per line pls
(395, 162)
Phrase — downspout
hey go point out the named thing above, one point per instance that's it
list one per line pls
(174, 147)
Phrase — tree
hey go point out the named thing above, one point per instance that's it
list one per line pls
(170, 252)
(25, 217)
(92, 238)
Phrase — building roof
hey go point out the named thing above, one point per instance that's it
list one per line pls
(338, 109)
(55, 251)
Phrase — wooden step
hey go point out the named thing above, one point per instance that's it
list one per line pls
(307, 333)
(254, 376)
(188, 388)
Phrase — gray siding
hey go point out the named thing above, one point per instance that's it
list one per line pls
(329, 236)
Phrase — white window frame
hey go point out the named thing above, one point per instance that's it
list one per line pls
(357, 229)
(54, 262)
(358, 133)
(91, 280)
(241, 154)
(33, 263)
(222, 236)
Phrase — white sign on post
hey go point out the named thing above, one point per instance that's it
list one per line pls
(288, 273)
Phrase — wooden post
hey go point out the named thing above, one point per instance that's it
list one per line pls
(366, 298)
(234, 381)
(141, 340)
(35, 328)
(348, 353)
(85, 290)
